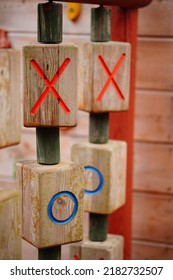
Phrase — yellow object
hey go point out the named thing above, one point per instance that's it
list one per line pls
(73, 10)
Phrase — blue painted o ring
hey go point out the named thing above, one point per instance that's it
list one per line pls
(101, 180)
(50, 205)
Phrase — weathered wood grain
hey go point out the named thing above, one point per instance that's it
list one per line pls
(10, 221)
(110, 160)
(142, 250)
(50, 58)
(154, 116)
(39, 183)
(154, 64)
(111, 249)
(152, 217)
(152, 211)
(10, 97)
(148, 24)
(12, 19)
(93, 76)
(153, 167)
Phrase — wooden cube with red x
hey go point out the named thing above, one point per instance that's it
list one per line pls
(50, 85)
(104, 76)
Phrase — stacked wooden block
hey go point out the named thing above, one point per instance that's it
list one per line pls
(10, 221)
(52, 188)
(10, 200)
(9, 97)
(103, 87)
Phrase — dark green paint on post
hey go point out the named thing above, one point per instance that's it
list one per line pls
(99, 122)
(48, 145)
(99, 128)
(52, 253)
(100, 24)
(100, 32)
(49, 23)
(49, 31)
(98, 227)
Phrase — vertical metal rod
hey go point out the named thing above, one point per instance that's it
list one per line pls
(99, 123)
(98, 227)
(48, 145)
(52, 253)
(98, 128)
(49, 23)
(100, 32)
(48, 142)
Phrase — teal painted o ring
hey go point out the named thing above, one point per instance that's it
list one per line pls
(101, 180)
(50, 205)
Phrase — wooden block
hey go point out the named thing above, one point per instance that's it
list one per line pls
(10, 224)
(104, 76)
(41, 185)
(107, 174)
(111, 249)
(75, 250)
(9, 97)
(50, 85)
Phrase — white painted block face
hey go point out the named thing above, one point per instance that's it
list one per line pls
(50, 85)
(52, 202)
(105, 171)
(104, 76)
(10, 97)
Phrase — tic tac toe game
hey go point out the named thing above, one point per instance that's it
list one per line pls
(85, 133)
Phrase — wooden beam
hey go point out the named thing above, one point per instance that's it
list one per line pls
(121, 3)
(124, 28)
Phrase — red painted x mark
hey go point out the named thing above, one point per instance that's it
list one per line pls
(111, 77)
(49, 86)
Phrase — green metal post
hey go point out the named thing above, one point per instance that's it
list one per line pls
(99, 122)
(48, 142)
